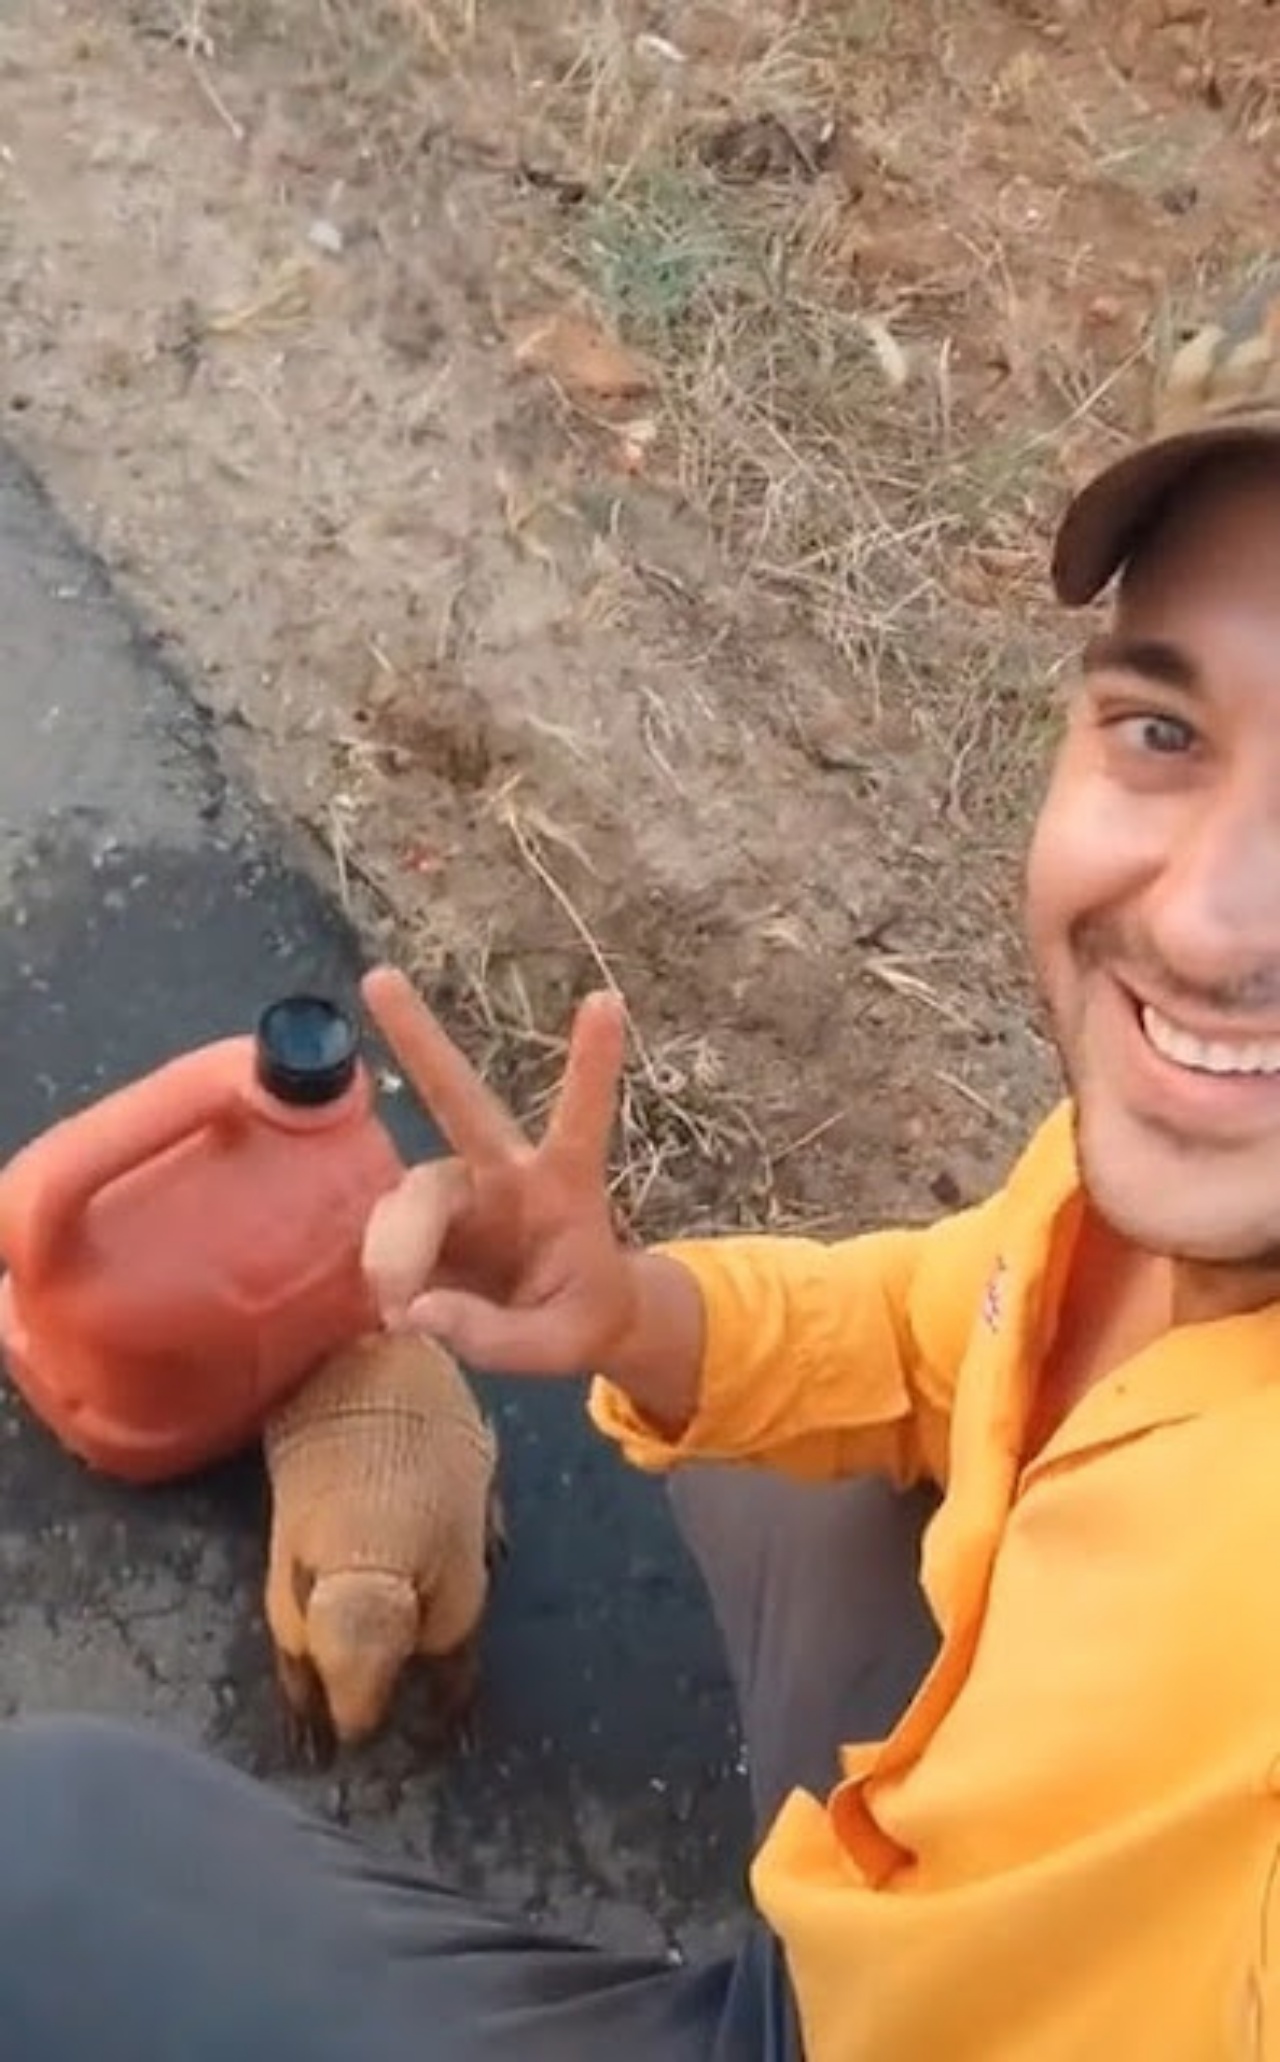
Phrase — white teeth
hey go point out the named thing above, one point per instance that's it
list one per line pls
(1209, 1055)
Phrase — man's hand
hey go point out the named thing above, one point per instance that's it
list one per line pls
(506, 1251)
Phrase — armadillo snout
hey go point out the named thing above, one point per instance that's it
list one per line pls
(362, 1627)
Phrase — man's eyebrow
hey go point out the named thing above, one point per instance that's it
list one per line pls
(1149, 657)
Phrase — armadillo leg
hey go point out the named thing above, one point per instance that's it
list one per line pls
(497, 1539)
(308, 1735)
(453, 1682)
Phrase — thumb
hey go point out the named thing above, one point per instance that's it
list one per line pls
(406, 1231)
(499, 1341)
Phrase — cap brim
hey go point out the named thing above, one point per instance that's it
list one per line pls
(1107, 518)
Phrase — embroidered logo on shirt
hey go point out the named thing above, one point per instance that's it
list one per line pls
(993, 1297)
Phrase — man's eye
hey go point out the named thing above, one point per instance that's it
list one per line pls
(1161, 735)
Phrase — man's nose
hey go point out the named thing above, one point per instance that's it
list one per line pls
(1213, 915)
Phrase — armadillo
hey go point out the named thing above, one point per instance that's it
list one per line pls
(386, 1526)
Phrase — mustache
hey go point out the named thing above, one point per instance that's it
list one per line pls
(1105, 941)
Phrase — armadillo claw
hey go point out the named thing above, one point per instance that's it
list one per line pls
(308, 1735)
(308, 1741)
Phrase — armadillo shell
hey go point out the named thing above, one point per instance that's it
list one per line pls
(380, 1458)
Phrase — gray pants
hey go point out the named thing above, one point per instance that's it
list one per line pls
(158, 1906)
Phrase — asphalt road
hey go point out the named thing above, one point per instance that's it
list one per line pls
(150, 904)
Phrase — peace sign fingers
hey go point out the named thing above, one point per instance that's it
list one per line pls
(581, 1122)
(479, 1129)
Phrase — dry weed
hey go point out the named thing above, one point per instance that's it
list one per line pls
(820, 441)
(814, 417)
(688, 1154)
(677, 1114)
(685, 1145)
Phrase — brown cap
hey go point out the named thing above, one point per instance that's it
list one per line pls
(1221, 390)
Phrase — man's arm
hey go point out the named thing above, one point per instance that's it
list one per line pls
(817, 1359)
(820, 1360)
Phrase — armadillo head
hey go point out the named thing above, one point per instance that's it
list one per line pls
(362, 1626)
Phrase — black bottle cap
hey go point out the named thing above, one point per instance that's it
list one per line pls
(307, 1050)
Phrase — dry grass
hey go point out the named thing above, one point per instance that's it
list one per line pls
(689, 1153)
(833, 482)
(685, 1144)
(814, 419)
(821, 416)
(680, 1126)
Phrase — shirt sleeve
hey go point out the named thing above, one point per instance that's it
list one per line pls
(824, 1360)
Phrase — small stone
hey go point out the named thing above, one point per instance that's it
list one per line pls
(327, 237)
(1179, 199)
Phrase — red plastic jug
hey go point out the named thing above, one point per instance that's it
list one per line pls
(181, 1253)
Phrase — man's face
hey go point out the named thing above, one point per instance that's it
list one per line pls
(1153, 884)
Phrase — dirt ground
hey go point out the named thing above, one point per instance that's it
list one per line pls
(597, 462)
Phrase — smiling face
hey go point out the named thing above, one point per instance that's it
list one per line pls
(1153, 884)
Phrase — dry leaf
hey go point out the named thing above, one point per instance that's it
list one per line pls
(581, 355)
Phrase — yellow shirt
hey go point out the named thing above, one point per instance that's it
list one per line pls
(1069, 1847)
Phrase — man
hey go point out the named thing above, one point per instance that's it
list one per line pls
(1068, 1843)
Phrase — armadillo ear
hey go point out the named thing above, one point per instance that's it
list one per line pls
(304, 1581)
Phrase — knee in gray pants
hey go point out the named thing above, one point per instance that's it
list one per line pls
(153, 1906)
(815, 1588)
(156, 1906)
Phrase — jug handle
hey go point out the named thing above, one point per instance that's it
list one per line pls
(46, 1188)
